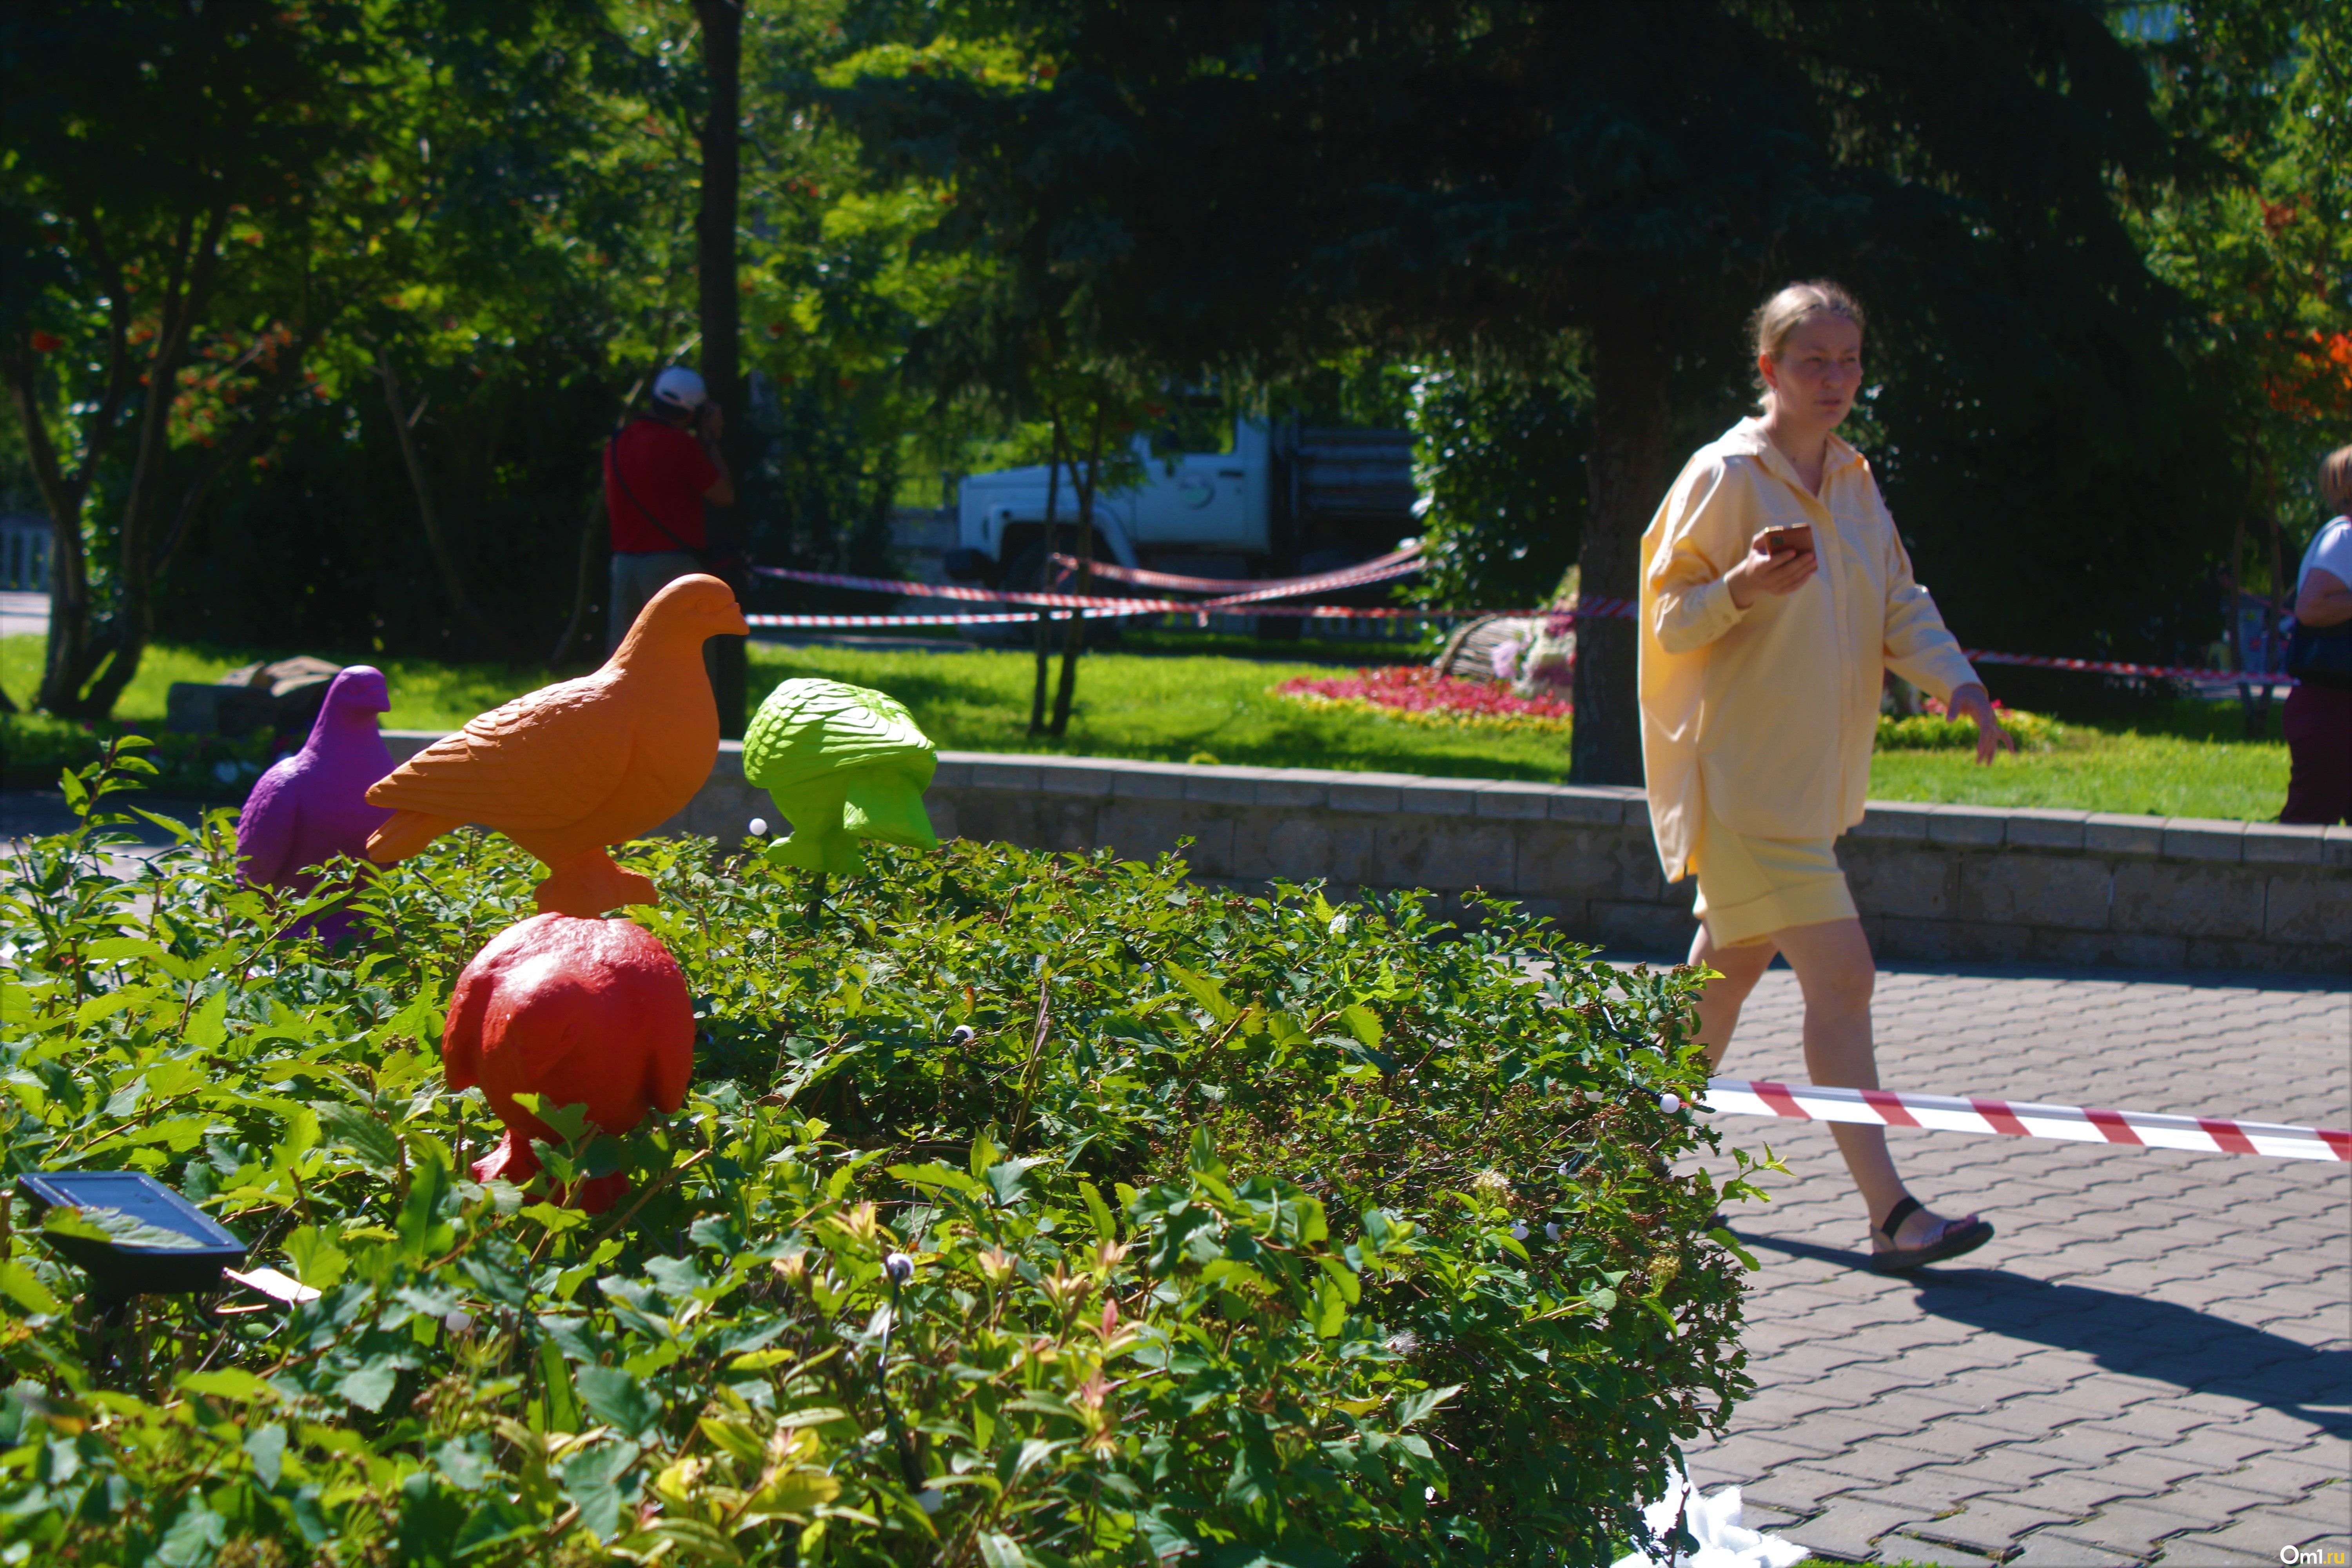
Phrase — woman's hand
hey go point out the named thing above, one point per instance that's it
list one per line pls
(1761, 573)
(1971, 701)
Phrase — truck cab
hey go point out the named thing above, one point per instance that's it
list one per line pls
(1287, 498)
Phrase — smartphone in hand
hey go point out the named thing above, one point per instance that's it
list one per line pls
(1783, 541)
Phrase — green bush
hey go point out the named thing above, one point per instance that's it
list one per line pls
(196, 767)
(1935, 730)
(1250, 1230)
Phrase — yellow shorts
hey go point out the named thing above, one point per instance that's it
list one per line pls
(1750, 887)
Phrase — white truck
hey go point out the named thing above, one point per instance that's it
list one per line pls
(1288, 498)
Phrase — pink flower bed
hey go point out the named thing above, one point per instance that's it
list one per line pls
(1419, 693)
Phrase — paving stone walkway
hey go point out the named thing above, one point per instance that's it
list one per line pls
(2152, 1362)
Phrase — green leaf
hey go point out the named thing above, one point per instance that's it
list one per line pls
(24, 1288)
(1166, 1539)
(735, 1437)
(569, 1122)
(361, 1131)
(1416, 1405)
(371, 1385)
(209, 1025)
(115, 1226)
(591, 1480)
(1003, 1552)
(563, 1414)
(791, 1492)
(617, 1399)
(124, 1101)
(229, 1383)
(419, 1226)
(935, 1174)
(1006, 1183)
(1362, 1023)
(1205, 991)
(494, 1521)
(814, 1416)
(1350, 1284)
(1098, 1212)
(195, 1536)
(1330, 1309)
(420, 1020)
(317, 1261)
(266, 1448)
(689, 1539)
(114, 949)
(1730, 1244)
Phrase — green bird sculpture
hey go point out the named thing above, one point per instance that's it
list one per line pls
(842, 765)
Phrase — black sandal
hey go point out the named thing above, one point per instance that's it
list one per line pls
(1957, 1237)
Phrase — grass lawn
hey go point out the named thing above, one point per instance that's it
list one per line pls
(424, 695)
(2186, 759)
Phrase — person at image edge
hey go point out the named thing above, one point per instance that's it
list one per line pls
(2317, 717)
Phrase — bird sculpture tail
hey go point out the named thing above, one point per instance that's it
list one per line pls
(404, 834)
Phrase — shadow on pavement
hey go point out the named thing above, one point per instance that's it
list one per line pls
(2195, 1351)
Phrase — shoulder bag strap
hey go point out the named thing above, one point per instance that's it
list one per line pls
(613, 458)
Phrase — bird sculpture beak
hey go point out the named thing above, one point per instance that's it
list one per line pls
(736, 623)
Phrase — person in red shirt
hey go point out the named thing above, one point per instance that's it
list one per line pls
(658, 473)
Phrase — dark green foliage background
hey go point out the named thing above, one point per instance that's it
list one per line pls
(1254, 1228)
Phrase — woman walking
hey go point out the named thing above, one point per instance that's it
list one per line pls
(1775, 592)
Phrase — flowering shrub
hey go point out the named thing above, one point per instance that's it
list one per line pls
(196, 767)
(1935, 730)
(1419, 695)
(1027, 1209)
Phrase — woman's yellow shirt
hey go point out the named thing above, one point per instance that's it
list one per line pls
(1768, 714)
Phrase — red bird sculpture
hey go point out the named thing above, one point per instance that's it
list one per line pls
(572, 768)
(583, 1012)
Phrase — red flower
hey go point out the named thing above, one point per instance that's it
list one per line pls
(1416, 689)
(47, 342)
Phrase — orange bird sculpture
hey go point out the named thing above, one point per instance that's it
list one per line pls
(574, 767)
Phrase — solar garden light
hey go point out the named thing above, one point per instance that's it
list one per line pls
(132, 1235)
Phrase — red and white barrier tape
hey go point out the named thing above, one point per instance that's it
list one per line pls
(1583, 610)
(1253, 593)
(1010, 618)
(2108, 667)
(1398, 564)
(2079, 1123)
(1126, 608)
(1384, 570)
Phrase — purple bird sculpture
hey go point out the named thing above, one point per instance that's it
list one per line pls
(313, 805)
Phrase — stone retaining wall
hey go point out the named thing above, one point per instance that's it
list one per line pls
(1933, 882)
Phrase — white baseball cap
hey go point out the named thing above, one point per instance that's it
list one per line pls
(680, 388)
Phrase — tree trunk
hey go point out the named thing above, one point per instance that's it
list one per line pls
(720, 308)
(89, 660)
(68, 650)
(403, 433)
(1075, 643)
(1046, 616)
(1627, 476)
(2281, 594)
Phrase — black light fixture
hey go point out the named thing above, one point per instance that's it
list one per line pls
(157, 1243)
